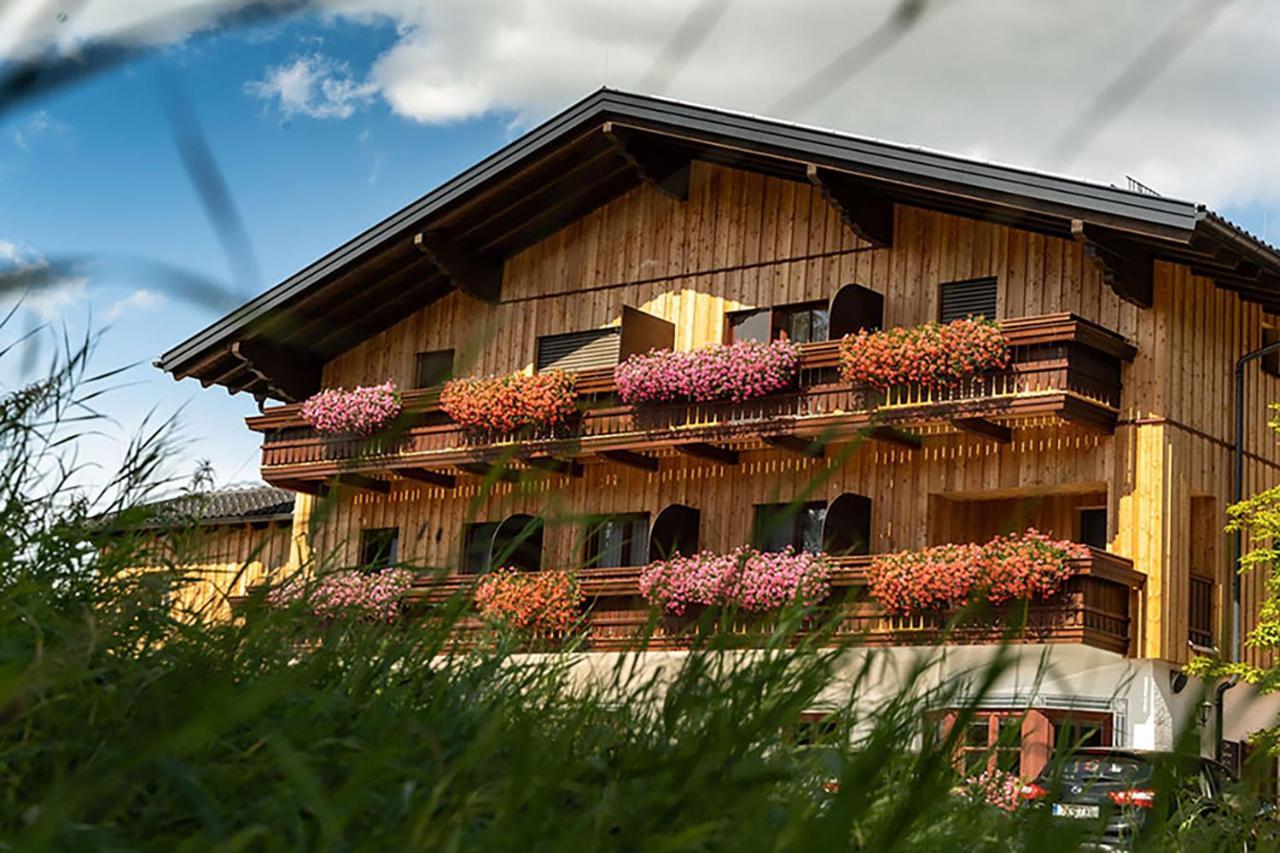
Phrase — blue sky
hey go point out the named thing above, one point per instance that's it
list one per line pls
(326, 123)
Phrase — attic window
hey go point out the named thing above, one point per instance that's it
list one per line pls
(972, 298)
(593, 348)
(432, 368)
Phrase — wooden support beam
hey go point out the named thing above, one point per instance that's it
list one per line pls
(710, 452)
(484, 469)
(866, 212)
(984, 428)
(474, 274)
(316, 488)
(662, 165)
(797, 445)
(631, 459)
(362, 482)
(1125, 267)
(557, 466)
(895, 436)
(288, 375)
(423, 475)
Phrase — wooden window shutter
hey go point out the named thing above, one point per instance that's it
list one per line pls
(960, 299)
(579, 350)
(1271, 361)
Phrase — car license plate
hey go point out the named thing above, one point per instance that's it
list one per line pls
(1075, 810)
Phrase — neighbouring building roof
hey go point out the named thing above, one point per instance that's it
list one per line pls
(456, 236)
(233, 505)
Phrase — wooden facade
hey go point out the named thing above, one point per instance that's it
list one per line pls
(1120, 397)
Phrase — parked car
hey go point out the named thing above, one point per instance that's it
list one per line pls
(1120, 790)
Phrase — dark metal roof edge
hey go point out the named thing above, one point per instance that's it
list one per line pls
(833, 145)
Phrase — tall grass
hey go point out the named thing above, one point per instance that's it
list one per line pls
(126, 726)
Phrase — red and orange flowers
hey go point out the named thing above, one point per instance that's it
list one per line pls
(1016, 567)
(536, 602)
(506, 404)
(934, 355)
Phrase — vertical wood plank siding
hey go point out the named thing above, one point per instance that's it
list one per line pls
(744, 241)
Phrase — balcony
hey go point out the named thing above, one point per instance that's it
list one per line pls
(1063, 368)
(1099, 607)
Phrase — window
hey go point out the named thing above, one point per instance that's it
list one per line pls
(1021, 741)
(991, 740)
(579, 350)
(476, 544)
(617, 540)
(972, 298)
(1271, 361)
(809, 321)
(1093, 527)
(378, 547)
(780, 525)
(432, 368)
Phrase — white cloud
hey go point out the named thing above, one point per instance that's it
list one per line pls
(998, 78)
(45, 292)
(37, 125)
(313, 85)
(139, 300)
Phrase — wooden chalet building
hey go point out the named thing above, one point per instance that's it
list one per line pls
(628, 222)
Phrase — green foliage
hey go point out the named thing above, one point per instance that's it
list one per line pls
(123, 726)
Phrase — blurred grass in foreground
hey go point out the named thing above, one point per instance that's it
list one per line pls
(123, 726)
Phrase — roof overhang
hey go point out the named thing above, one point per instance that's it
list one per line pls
(457, 236)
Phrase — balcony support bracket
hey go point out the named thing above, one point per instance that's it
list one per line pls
(662, 167)
(896, 437)
(710, 452)
(566, 467)
(631, 459)
(985, 428)
(489, 469)
(797, 445)
(360, 482)
(424, 475)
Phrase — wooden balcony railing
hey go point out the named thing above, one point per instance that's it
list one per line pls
(1200, 612)
(1099, 607)
(1062, 366)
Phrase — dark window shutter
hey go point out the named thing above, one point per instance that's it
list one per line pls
(579, 350)
(973, 298)
(1271, 361)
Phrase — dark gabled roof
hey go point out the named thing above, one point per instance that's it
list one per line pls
(597, 149)
(236, 505)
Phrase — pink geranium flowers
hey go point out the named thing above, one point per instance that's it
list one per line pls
(744, 578)
(505, 404)
(360, 411)
(370, 595)
(740, 371)
(933, 355)
(1016, 567)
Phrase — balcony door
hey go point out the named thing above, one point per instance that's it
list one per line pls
(675, 531)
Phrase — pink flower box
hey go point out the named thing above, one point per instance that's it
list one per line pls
(741, 371)
(370, 595)
(744, 578)
(360, 411)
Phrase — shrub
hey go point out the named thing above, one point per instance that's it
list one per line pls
(372, 595)
(537, 602)
(360, 411)
(740, 371)
(744, 578)
(934, 355)
(504, 404)
(1016, 567)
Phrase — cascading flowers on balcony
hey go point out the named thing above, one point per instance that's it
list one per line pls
(505, 404)
(936, 355)
(740, 371)
(1016, 567)
(545, 602)
(370, 595)
(360, 411)
(744, 578)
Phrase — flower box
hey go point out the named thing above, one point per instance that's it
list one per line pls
(1016, 567)
(361, 411)
(538, 603)
(745, 579)
(502, 405)
(935, 355)
(736, 372)
(371, 595)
